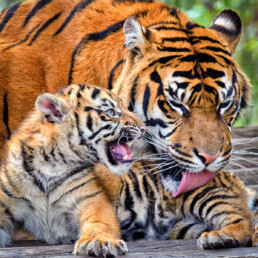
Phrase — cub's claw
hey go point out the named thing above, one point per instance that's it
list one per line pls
(100, 248)
(215, 240)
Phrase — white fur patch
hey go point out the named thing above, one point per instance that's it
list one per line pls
(223, 21)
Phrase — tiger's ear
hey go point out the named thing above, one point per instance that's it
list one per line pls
(228, 25)
(134, 33)
(54, 108)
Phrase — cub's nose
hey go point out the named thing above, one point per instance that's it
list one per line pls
(143, 128)
(207, 158)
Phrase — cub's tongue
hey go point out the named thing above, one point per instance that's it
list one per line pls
(121, 152)
(191, 181)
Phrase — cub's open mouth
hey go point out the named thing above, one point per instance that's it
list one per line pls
(192, 181)
(120, 152)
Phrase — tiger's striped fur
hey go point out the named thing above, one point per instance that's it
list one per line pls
(48, 181)
(179, 77)
(219, 214)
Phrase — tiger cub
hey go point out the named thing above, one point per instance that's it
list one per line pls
(47, 178)
(218, 214)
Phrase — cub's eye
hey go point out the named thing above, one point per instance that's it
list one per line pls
(112, 113)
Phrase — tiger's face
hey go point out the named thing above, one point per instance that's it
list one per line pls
(188, 90)
(97, 125)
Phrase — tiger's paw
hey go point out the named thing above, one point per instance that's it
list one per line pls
(219, 239)
(255, 237)
(100, 247)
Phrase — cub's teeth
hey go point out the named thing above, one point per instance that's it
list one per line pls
(125, 157)
(130, 143)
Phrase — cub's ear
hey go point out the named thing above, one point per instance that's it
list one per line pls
(134, 33)
(228, 25)
(54, 108)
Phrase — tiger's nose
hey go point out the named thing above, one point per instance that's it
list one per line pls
(207, 158)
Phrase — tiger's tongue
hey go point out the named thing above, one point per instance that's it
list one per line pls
(191, 181)
(121, 152)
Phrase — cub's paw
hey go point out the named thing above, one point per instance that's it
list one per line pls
(98, 247)
(255, 237)
(219, 239)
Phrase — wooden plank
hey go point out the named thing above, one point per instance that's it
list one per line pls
(245, 132)
(143, 249)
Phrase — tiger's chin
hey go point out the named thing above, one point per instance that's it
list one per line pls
(185, 181)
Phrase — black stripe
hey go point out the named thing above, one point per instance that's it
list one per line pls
(214, 74)
(145, 103)
(40, 4)
(217, 49)
(112, 73)
(28, 167)
(199, 196)
(81, 199)
(68, 175)
(221, 214)
(205, 58)
(235, 221)
(129, 202)
(196, 40)
(213, 205)
(95, 93)
(9, 14)
(176, 39)
(183, 231)
(156, 78)
(158, 28)
(187, 74)
(136, 185)
(25, 39)
(174, 49)
(73, 189)
(93, 37)
(106, 127)
(154, 122)
(133, 92)
(44, 26)
(78, 8)
(89, 122)
(6, 115)
(28, 202)
(83, 141)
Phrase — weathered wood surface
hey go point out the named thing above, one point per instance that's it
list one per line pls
(155, 249)
(244, 139)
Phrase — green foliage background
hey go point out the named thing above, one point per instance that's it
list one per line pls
(204, 12)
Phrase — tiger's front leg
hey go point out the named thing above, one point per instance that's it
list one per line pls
(100, 231)
(238, 233)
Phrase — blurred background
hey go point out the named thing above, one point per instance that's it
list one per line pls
(203, 12)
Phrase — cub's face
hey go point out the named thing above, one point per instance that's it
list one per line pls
(98, 126)
(188, 90)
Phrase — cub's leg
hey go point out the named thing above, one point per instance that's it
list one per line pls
(99, 232)
(236, 234)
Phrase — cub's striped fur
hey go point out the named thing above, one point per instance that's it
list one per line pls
(47, 179)
(219, 214)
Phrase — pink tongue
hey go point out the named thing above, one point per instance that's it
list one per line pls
(191, 181)
(121, 152)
